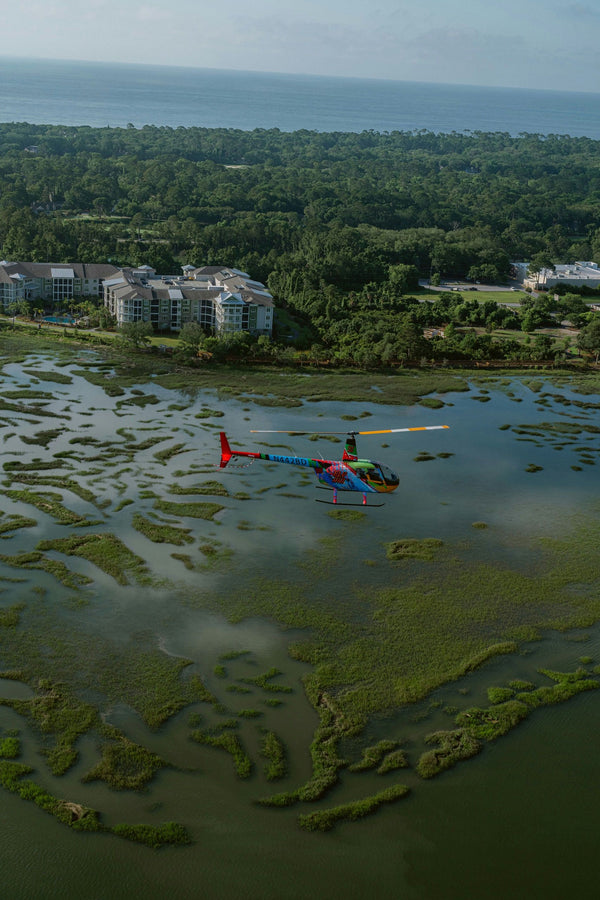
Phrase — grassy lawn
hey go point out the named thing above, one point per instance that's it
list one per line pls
(480, 293)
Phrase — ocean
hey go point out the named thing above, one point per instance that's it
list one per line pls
(114, 94)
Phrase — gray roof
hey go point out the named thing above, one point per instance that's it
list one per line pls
(93, 271)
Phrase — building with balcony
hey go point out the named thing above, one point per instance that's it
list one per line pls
(219, 298)
(55, 283)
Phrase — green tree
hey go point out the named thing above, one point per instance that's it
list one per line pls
(136, 334)
(589, 338)
(18, 308)
(539, 262)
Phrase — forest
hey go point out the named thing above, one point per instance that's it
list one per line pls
(340, 226)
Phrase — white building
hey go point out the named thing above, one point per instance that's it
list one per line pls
(578, 274)
(217, 297)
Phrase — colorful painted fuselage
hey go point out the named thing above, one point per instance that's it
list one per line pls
(347, 474)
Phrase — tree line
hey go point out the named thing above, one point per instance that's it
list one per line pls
(334, 223)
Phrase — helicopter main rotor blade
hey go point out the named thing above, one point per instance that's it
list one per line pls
(382, 431)
(395, 430)
(260, 431)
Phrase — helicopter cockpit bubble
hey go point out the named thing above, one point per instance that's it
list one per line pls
(388, 476)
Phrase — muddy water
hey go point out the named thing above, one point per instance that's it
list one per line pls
(490, 827)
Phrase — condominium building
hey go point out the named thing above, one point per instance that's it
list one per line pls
(51, 282)
(217, 297)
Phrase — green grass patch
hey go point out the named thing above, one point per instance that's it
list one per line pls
(412, 548)
(161, 534)
(326, 819)
(225, 740)
(452, 746)
(265, 681)
(372, 756)
(56, 712)
(49, 375)
(49, 503)
(34, 559)
(10, 748)
(169, 452)
(191, 510)
(10, 616)
(78, 817)
(393, 761)
(59, 481)
(347, 515)
(13, 522)
(107, 552)
(125, 766)
(155, 836)
(272, 749)
(214, 488)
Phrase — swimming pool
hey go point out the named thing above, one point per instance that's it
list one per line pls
(59, 320)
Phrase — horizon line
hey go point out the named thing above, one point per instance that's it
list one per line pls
(362, 78)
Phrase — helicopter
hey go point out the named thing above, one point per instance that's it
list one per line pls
(365, 476)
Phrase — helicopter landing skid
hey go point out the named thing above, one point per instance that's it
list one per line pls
(355, 505)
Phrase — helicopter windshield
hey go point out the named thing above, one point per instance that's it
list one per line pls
(388, 476)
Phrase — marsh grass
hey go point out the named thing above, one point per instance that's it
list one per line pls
(163, 456)
(49, 503)
(10, 748)
(107, 552)
(37, 465)
(56, 712)
(393, 761)
(78, 817)
(191, 510)
(14, 522)
(161, 534)
(412, 548)
(326, 819)
(59, 481)
(347, 515)
(372, 756)
(49, 375)
(41, 438)
(265, 681)
(272, 748)
(186, 559)
(326, 761)
(378, 649)
(154, 836)
(431, 403)
(125, 766)
(519, 685)
(507, 711)
(452, 746)
(207, 413)
(10, 616)
(230, 743)
(36, 560)
(500, 694)
(214, 488)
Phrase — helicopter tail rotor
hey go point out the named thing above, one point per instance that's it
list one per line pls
(226, 453)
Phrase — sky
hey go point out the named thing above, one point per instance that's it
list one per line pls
(517, 43)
